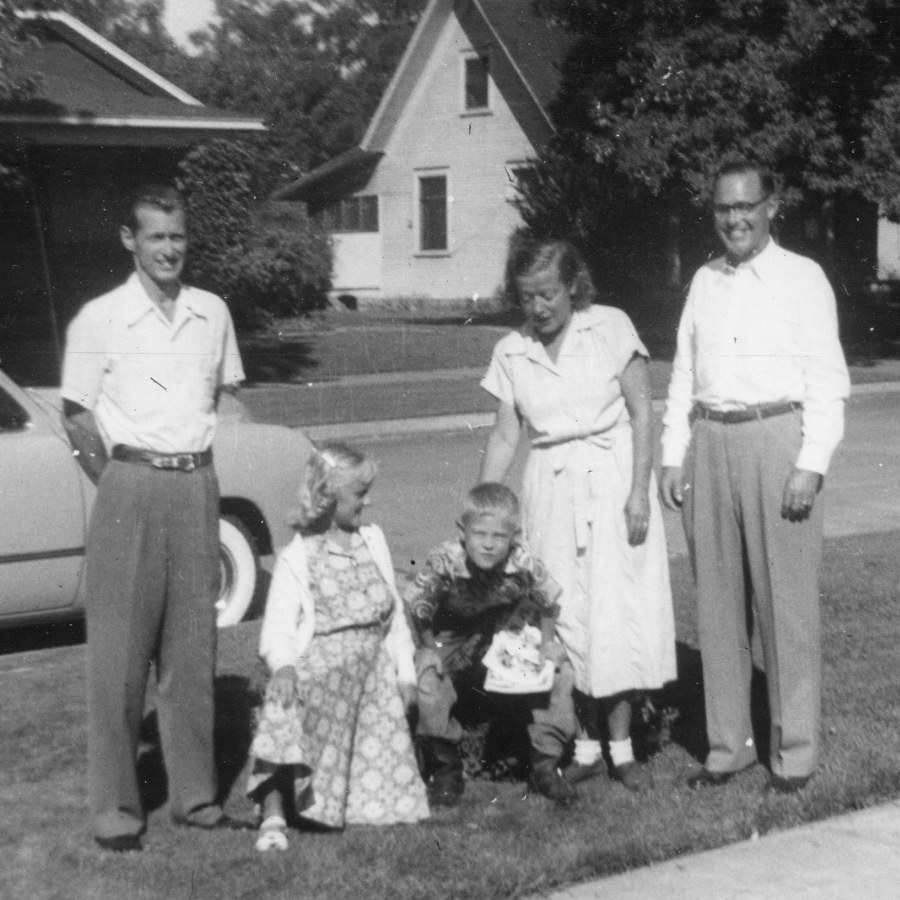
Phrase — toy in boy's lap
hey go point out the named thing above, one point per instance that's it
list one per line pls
(332, 740)
(478, 604)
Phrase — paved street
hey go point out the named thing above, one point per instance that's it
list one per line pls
(423, 476)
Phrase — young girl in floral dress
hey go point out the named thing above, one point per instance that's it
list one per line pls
(332, 742)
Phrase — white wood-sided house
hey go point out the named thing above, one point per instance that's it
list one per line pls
(421, 208)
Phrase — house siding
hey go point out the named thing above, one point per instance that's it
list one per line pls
(434, 136)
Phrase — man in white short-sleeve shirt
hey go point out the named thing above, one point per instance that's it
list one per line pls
(755, 411)
(143, 369)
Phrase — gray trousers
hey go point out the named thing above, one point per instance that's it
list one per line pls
(751, 564)
(553, 712)
(150, 583)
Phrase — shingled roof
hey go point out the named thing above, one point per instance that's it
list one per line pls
(90, 91)
(531, 50)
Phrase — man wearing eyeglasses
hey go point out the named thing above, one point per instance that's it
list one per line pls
(754, 414)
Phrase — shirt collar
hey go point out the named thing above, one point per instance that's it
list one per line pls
(762, 265)
(139, 304)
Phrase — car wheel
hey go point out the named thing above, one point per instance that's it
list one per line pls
(239, 565)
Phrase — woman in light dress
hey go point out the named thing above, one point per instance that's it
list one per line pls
(576, 376)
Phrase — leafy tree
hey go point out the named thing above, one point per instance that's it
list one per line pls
(15, 88)
(657, 93)
(314, 71)
(263, 259)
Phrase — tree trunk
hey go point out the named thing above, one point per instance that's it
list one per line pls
(673, 248)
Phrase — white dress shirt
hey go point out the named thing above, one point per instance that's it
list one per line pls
(764, 332)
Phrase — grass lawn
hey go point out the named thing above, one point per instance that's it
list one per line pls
(499, 842)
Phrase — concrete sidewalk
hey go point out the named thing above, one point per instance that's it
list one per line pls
(856, 855)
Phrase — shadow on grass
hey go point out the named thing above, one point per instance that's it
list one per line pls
(235, 703)
(278, 360)
(682, 709)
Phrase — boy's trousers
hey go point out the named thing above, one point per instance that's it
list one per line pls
(553, 712)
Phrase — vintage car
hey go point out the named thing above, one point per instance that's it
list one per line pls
(46, 502)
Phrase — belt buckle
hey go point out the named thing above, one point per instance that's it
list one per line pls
(182, 462)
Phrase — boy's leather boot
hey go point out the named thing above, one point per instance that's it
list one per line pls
(547, 779)
(442, 769)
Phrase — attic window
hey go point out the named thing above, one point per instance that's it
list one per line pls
(477, 69)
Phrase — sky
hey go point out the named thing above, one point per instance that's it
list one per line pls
(184, 16)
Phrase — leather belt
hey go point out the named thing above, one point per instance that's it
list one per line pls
(173, 462)
(752, 413)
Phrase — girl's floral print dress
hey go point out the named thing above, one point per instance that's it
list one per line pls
(348, 742)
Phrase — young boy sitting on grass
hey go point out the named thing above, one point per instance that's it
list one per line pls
(481, 592)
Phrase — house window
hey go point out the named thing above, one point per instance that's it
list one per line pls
(432, 212)
(476, 82)
(350, 214)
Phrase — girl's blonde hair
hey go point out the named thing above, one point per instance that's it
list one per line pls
(329, 467)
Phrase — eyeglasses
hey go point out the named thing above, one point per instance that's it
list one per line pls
(723, 210)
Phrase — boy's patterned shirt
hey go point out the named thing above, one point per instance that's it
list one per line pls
(458, 600)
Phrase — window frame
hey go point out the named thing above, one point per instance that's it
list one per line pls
(468, 57)
(420, 176)
(364, 205)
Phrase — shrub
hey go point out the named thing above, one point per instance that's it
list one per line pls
(266, 259)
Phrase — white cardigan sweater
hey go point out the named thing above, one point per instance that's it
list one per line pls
(289, 620)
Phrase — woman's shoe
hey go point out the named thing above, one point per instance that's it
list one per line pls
(633, 776)
(576, 771)
(272, 835)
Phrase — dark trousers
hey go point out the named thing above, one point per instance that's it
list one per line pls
(150, 584)
(553, 712)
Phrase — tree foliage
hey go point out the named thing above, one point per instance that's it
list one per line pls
(658, 93)
(264, 259)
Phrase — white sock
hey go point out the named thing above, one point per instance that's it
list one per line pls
(587, 752)
(620, 752)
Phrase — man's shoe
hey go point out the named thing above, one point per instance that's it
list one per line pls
(576, 771)
(223, 823)
(120, 843)
(706, 778)
(633, 776)
(446, 788)
(786, 784)
(547, 779)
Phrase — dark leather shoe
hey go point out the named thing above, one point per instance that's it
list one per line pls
(223, 823)
(633, 776)
(120, 843)
(576, 771)
(547, 779)
(706, 778)
(781, 784)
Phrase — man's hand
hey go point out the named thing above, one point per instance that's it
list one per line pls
(800, 494)
(282, 687)
(670, 487)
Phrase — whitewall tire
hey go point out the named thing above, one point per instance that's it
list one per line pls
(239, 566)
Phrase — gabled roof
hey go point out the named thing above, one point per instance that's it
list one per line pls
(528, 50)
(90, 91)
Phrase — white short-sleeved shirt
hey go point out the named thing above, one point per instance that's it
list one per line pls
(578, 395)
(152, 383)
